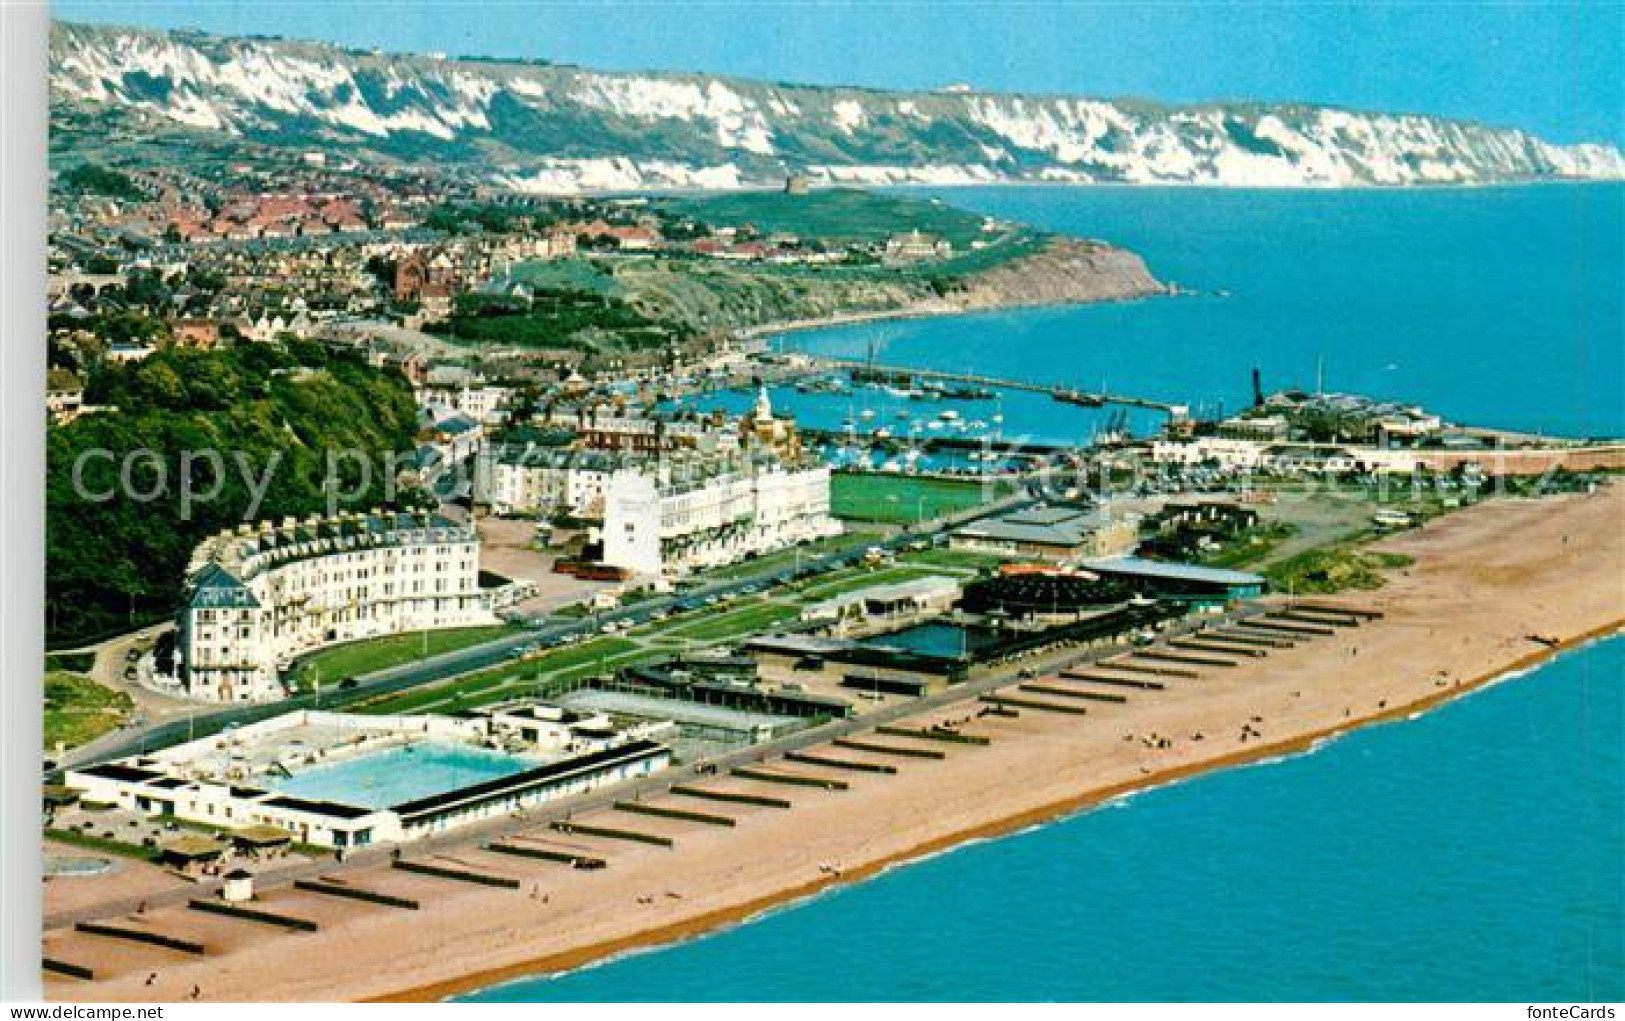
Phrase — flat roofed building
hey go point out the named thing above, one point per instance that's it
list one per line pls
(546, 481)
(257, 598)
(344, 781)
(1179, 582)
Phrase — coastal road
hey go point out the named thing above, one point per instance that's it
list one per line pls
(204, 720)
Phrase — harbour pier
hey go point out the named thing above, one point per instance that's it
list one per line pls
(1069, 395)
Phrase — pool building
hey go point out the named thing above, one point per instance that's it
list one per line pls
(342, 781)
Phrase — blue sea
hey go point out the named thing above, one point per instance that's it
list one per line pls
(1477, 852)
(1492, 306)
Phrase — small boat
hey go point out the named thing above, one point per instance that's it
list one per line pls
(867, 413)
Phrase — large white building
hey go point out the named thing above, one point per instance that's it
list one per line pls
(681, 514)
(257, 598)
(348, 781)
(550, 480)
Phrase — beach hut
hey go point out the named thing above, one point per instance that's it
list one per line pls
(238, 887)
(190, 849)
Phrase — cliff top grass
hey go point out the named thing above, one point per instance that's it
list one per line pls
(899, 499)
(345, 661)
(1336, 568)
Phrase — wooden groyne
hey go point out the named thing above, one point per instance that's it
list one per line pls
(1121, 682)
(1351, 611)
(1087, 696)
(1241, 638)
(156, 939)
(60, 967)
(1146, 668)
(1317, 618)
(570, 858)
(934, 734)
(1309, 630)
(355, 893)
(1179, 657)
(1036, 705)
(1067, 394)
(1224, 650)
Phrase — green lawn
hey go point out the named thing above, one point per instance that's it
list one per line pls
(77, 709)
(952, 558)
(901, 499)
(734, 624)
(862, 578)
(343, 661)
(1251, 547)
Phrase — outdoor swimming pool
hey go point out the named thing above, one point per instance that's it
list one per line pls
(400, 775)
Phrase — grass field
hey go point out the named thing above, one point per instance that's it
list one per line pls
(344, 661)
(1329, 569)
(901, 499)
(564, 274)
(74, 662)
(790, 557)
(77, 709)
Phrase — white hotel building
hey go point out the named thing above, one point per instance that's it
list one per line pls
(258, 598)
(550, 480)
(682, 514)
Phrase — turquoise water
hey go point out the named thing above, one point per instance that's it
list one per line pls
(936, 639)
(1495, 306)
(400, 775)
(1473, 853)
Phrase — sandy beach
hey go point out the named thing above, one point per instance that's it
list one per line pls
(1492, 589)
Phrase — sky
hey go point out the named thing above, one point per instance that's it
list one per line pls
(1554, 68)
